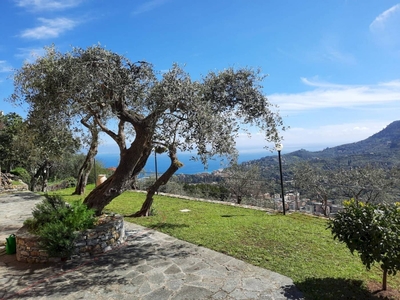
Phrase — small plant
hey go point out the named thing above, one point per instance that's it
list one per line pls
(22, 174)
(48, 211)
(57, 222)
(373, 231)
(153, 211)
(70, 182)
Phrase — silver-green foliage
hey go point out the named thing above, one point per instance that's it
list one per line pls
(140, 108)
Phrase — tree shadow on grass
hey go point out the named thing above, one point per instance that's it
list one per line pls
(230, 216)
(335, 288)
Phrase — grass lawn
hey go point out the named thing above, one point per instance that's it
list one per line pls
(295, 245)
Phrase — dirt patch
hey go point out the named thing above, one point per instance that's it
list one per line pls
(376, 289)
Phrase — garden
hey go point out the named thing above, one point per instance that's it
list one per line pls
(296, 245)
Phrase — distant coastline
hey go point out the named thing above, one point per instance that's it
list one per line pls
(189, 166)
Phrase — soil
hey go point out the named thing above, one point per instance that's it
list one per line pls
(103, 219)
(376, 289)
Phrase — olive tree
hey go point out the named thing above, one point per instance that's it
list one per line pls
(10, 126)
(243, 181)
(141, 109)
(84, 171)
(373, 231)
(315, 181)
(45, 141)
(368, 184)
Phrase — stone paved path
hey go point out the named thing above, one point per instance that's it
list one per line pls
(150, 265)
(14, 210)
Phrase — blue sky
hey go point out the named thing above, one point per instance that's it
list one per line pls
(333, 65)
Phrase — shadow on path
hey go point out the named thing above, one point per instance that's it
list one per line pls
(123, 266)
(19, 197)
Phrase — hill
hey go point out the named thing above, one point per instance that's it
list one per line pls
(381, 149)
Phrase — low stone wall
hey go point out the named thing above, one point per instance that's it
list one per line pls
(108, 234)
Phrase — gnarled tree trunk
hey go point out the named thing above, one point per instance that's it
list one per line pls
(36, 176)
(87, 165)
(162, 180)
(123, 176)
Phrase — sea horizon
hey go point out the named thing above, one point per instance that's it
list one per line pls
(190, 166)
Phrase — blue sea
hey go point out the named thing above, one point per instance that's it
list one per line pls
(189, 166)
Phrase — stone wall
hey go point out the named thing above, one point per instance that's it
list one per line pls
(108, 234)
(6, 183)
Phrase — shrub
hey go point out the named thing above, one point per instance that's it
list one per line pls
(51, 209)
(153, 211)
(57, 222)
(373, 231)
(70, 182)
(22, 174)
(57, 239)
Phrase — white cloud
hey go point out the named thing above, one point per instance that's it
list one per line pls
(319, 137)
(314, 138)
(384, 29)
(327, 95)
(40, 5)
(30, 54)
(51, 28)
(381, 21)
(337, 56)
(148, 6)
(330, 48)
(4, 67)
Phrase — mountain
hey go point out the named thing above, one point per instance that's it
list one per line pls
(385, 141)
(381, 149)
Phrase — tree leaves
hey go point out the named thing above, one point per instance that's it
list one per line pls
(373, 231)
(125, 99)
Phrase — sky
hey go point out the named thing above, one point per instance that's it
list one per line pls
(333, 65)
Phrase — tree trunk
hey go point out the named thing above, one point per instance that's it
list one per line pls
(34, 178)
(87, 166)
(33, 183)
(123, 176)
(384, 280)
(162, 180)
(81, 182)
(45, 176)
(325, 205)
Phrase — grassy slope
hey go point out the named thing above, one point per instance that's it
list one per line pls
(295, 245)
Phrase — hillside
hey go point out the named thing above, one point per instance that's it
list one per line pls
(381, 149)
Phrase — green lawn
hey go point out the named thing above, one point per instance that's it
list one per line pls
(295, 245)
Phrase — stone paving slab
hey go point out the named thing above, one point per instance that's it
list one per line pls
(14, 210)
(149, 265)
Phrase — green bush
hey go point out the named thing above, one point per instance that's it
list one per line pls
(22, 174)
(70, 182)
(51, 209)
(373, 231)
(153, 211)
(57, 239)
(57, 222)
